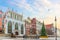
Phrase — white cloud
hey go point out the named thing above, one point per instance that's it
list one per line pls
(44, 8)
(37, 5)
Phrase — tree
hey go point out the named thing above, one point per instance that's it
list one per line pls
(43, 30)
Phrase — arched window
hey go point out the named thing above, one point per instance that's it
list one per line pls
(9, 27)
(31, 30)
(16, 26)
(22, 29)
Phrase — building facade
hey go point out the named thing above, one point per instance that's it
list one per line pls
(33, 26)
(38, 27)
(1, 13)
(50, 29)
(13, 22)
(27, 26)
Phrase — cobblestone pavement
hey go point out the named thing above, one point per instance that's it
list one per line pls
(8, 38)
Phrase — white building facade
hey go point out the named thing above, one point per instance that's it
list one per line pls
(38, 27)
(13, 22)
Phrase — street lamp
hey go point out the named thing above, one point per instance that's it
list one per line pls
(55, 28)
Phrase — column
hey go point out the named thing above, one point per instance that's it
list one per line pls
(13, 27)
(6, 27)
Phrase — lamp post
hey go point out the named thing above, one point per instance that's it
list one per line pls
(55, 28)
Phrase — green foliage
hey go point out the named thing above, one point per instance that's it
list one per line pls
(43, 30)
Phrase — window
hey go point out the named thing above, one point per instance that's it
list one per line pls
(9, 27)
(0, 15)
(15, 16)
(11, 14)
(31, 31)
(3, 28)
(16, 26)
(2, 21)
(22, 29)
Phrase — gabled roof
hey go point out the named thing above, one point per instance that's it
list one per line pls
(49, 26)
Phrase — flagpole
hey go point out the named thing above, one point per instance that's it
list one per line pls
(55, 28)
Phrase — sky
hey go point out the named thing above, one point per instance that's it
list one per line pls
(40, 9)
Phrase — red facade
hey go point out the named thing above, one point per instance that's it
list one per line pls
(30, 28)
(33, 25)
(49, 26)
(1, 20)
(49, 29)
(27, 28)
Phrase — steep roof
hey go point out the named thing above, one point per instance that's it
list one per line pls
(48, 26)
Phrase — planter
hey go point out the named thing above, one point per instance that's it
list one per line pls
(43, 37)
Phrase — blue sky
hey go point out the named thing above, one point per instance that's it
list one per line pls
(40, 9)
(27, 7)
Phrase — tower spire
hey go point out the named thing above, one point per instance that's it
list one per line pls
(55, 18)
(55, 28)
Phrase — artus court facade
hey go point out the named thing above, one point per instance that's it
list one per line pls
(12, 22)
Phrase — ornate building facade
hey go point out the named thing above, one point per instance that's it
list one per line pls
(27, 26)
(13, 22)
(38, 27)
(32, 27)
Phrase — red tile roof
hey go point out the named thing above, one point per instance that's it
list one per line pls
(48, 26)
